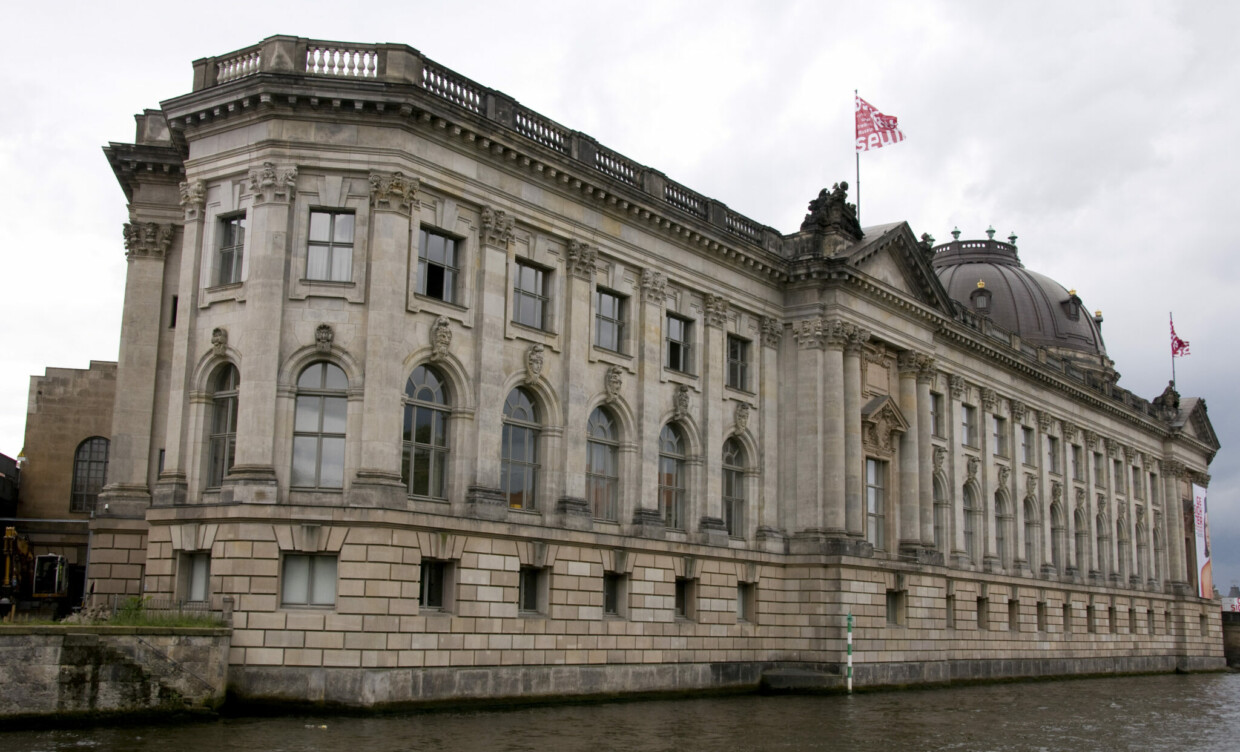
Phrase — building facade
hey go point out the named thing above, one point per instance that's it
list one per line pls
(454, 401)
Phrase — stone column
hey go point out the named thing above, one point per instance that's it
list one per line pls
(1173, 504)
(484, 497)
(127, 494)
(910, 456)
(1067, 432)
(1090, 570)
(1045, 423)
(812, 456)
(989, 404)
(573, 506)
(172, 488)
(834, 427)
(647, 520)
(1112, 565)
(925, 452)
(714, 359)
(959, 471)
(253, 476)
(378, 481)
(770, 534)
(854, 488)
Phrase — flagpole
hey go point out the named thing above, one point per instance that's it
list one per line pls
(1171, 318)
(857, 95)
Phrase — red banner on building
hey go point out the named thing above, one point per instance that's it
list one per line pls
(874, 129)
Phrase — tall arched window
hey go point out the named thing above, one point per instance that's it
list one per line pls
(223, 424)
(1082, 541)
(519, 464)
(90, 468)
(1059, 538)
(972, 530)
(942, 517)
(424, 462)
(602, 465)
(672, 477)
(319, 426)
(734, 488)
(1033, 537)
(1004, 531)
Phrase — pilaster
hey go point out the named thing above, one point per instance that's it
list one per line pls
(910, 456)
(854, 502)
(575, 360)
(711, 526)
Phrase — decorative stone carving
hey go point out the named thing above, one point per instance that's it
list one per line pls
(1168, 403)
(1130, 455)
(441, 338)
(680, 402)
(742, 416)
(269, 183)
(147, 239)
(1056, 491)
(219, 340)
(323, 337)
(654, 286)
(956, 384)
(857, 337)
(1112, 448)
(497, 227)
(925, 370)
(909, 361)
(808, 332)
(612, 382)
(1198, 477)
(533, 363)
(832, 220)
(990, 400)
(193, 194)
(716, 309)
(940, 456)
(972, 467)
(1031, 486)
(1173, 468)
(1101, 504)
(1068, 429)
(1018, 410)
(1045, 421)
(1091, 440)
(582, 259)
(879, 427)
(1005, 474)
(772, 331)
(1080, 498)
(393, 191)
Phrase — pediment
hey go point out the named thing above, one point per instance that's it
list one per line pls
(1196, 422)
(893, 257)
(881, 420)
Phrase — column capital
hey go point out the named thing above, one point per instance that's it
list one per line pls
(990, 400)
(654, 286)
(1017, 409)
(716, 310)
(857, 337)
(193, 196)
(147, 239)
(955, 383)
(392, 191)
(1045, 421)
(1174, 469)
(497, 227)
(582, 259)
(772, 331)
(810, 333)
(272, 184)
(911, 361)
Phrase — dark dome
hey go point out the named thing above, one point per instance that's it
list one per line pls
(986, 276)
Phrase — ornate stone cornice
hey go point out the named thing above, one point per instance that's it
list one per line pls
(716, 309)
(496, 227)
(147, 239)
(772, 331)
(582, 259)
(392, 191)
(654, 286)
(271, 184)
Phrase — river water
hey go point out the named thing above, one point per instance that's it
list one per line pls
(1196, 712)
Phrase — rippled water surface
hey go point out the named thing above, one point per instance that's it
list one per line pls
(1179, 713)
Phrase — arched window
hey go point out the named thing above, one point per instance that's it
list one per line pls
(90, 468)
(972, 530)
(734, 488)
(519, 464)
(1059, 538)
(602, 465)
(942, 517)
(223, 424)
(424, 461)
(1004, 531)
(1033, 537)
(319, 426)
(1082, 541)
(672, 477)
(1104, 545)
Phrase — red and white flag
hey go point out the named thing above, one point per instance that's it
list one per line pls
(874, 129)
(1179, 347)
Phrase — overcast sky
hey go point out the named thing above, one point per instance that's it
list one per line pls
(1102, 133)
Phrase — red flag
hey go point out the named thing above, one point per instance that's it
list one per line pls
(874, 129)
(1179, 347)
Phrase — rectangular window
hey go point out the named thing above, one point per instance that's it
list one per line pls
(231, 246)
(1100, 470)
(1067, 618)
(531, 586)
(1167, 624)
(875, 501)
(1091, 618)
(686, 598)
(1112, 620)
(1052, 455)
(437, 586)
(1149, 621)
(1026, 446)
(678, 344)
(1041, 616)
(951, 612)
(1132, 620)
(738, 363)
(895, 608)
(438, 266)
(746, 602)
(196, 576)
(529, 299)
(1153, 490)
(983, 613)
(609, 314)
(1118, 469)
(172, 314)
(1203, 625)
(615, 594)
(1078, 463)
(308, 580)
(1013, 615)
(329, 251)
(1000, 435)
(968, 425)
(936, 414)
(1137, 491)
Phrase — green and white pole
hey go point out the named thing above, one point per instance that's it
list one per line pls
(850, 652)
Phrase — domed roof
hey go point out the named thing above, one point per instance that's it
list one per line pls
(986, 276)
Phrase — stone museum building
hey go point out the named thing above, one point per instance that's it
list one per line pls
(453, 401)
